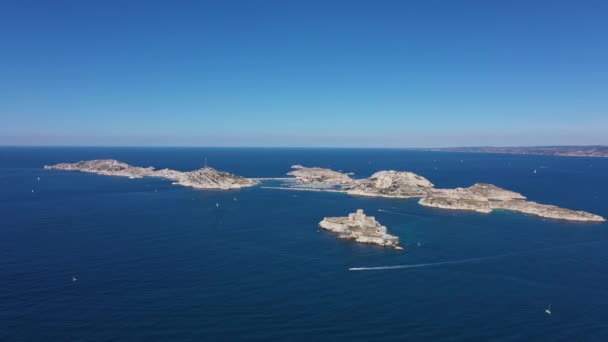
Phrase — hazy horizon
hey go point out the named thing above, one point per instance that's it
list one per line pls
(295, 146)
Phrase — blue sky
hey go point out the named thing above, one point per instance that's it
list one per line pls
(304, 73)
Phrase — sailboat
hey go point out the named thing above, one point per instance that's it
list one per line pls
(74, 279)
(534, 171)
(217, 205)
(548, 310)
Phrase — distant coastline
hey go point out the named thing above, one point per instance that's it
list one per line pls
(598, 151)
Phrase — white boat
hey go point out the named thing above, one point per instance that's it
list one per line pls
(548, 310)
(74, 278)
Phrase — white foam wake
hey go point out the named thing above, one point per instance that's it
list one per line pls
(461, 261)
(469, 260)
(396, 213)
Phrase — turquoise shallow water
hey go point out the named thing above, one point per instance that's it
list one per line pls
(157, 262)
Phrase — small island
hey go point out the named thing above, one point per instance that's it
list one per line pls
(205, 178)
(361, 228)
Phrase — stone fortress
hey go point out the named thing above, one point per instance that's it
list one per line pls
(361, 228)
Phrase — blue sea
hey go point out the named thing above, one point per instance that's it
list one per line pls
(157, 262)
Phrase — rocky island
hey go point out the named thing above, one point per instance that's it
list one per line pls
(210, 178)
(361, 228)
(106, 167)
(390, 184)
(317, 175)
(485, 198)
(205, 178)
(482, 198)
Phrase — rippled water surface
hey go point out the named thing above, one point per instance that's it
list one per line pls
(157, 262)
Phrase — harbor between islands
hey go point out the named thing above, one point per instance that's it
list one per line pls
(480, 197)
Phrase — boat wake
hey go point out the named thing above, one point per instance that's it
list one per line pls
(469, 260)
(397, 213)
(461, 261)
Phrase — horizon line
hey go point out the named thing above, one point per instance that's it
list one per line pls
(300, 147)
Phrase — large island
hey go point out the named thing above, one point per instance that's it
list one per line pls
(482, 198)
(205, 178)
(485, 198)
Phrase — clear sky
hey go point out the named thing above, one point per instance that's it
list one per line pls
(304, 73)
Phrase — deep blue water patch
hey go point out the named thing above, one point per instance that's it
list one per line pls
(157, 262)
